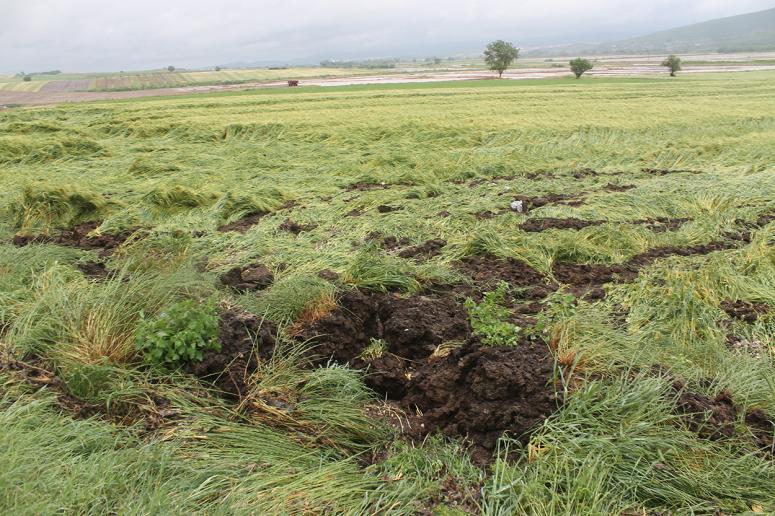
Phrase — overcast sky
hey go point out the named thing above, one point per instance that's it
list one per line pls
(105, 35)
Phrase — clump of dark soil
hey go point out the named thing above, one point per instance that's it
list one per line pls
(532, 203)
(255, 276)
(715, 418)
(364, 186)
(295, 227)
(354, 213)
(444, 214)
(412, 327)
(585, 173)
(487, 271)
(618, 188)
(586, 280)
(665, 171)
(652, 255)
(244, 224)
(745, 311)
(762, 427)
(544, 224)
(97, 271)
(662, 224)
(150, 414)
(711, 418)
(482, 392)
(78, 237)
(329, 275)
(386, 242)
(426, 250)
(385, 208)
(245, 340)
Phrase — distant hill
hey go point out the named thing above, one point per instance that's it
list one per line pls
(743, 33)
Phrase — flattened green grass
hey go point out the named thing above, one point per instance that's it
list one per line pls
(447, 159)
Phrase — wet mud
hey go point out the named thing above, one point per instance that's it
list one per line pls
(79, 238)
(256, 276)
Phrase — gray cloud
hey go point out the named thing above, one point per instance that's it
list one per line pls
(95, 35)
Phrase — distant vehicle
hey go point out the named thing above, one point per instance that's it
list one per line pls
(293, 83)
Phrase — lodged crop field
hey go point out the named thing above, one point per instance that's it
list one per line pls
(532, 297)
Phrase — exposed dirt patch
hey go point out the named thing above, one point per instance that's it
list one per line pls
(329, 275)
(78, 237)
(255, 276)
(662, 224)
(354, 213)
(411, 327)
(426, 250)
(385, 208)
(97, 271)
(665, 171)
(586, 280)
(149, 412)
(745, 311)
(444, 214)
(715, 418)
(245, 340)
(762, 427)
(295, 227)
(540, 225)
(244, 224)
(585, 173)
(482, 392)
(711, 418)
(487, 271)
(365, 186)
(386, 242)
(618, 188)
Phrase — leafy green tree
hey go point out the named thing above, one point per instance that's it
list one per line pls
(170, 68)
(673, 62)
(499, 55)
(27, 78)
(580, 66)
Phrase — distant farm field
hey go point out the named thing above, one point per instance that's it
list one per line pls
(497, 297)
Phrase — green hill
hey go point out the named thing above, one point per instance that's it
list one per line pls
(743, 33)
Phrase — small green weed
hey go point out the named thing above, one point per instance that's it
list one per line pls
(180, 334)
(489, 319)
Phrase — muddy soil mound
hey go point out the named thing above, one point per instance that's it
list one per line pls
(256, 276)
(97, 271)
(662, 224)
(363, 186)
(486, 271)
(715, 418)
(245, 339)
(411, 327)
(482, 392)
(78, 237)
(244, 224)
(386, 242)
(618, 188)
(711, 418)
(545, 224)
(745, 311)
(587, 280)
(385, 208)
(296, 228)
(426, 250)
